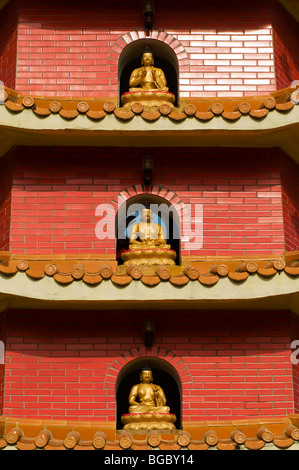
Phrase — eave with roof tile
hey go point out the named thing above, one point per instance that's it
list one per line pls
(203, 109)
(86, 281)
(252, 434)
(273, 120)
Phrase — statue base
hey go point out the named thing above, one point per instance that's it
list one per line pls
(148, 421)
(149, 257)
(148, 98)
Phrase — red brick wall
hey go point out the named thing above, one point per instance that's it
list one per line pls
(8, 43)
(229, 46)
(56, 192)
(290, 198)
(285, 39)
(59, 364)
(5, 200)
(228, 49)
(66, 49)
(295, 359)
(2, 360)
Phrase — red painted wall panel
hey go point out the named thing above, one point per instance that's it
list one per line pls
(228, 51)
(295, 359)
(69, 49)
(290, 197)
(56, 192)
(57, 362)
(8, 43)
(285, 41)
(5, 200)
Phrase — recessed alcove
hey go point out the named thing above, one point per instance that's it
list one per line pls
(164, 374)
(164, 57)
(163, 213)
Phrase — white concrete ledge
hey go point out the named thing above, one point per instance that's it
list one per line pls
(277, 129)
(278, 293)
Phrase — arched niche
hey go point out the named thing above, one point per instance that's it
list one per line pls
(164, 374)
(164, 213)
(164, 56)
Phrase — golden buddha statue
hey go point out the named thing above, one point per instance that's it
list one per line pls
(148, 85)
(149, 233)
(148, 77)
(147, 244)
(150, 411)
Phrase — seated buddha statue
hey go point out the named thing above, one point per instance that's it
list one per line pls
(149, 233)
(147, 243)
(147, 77)
(148, 408)
(147, 85)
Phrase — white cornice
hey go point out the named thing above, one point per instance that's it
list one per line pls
(276, 130)
(279, 293)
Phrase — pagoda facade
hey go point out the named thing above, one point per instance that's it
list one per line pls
(149, 218)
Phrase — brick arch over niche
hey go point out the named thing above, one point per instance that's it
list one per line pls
(162, 36)
(157, 194)
(142, 352)
(164, 45)
(155, 190)
(154, 356)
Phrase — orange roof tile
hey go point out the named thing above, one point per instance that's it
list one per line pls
(203, 109)
(252, 434)
(92, 270)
